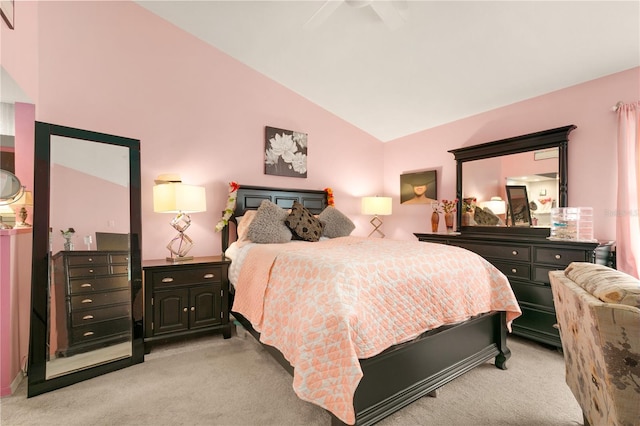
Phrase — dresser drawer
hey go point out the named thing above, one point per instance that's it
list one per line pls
(119, 269)
(81, 318)
(541, 273)
(91, 284)
(87, 301)
(88, 271)
(534, 294)
(513, 269)
(119, 258)
(561, 257)
(506, 252)
(186, 277)
(89, 259)
(540, 321)
(101, 330)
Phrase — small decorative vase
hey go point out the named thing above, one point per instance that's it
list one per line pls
(68, 245)
(448, 221)
(435, 220)
(466, 218)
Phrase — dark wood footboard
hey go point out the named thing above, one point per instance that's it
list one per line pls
(407, 372)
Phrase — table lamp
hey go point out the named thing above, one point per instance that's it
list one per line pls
(376, 206)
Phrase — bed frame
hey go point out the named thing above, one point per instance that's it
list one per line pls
(406, 372)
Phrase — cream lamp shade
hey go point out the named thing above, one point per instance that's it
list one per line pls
(178, 197)
(496, 205)
(377, 206)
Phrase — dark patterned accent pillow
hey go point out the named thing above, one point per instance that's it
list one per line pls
(303, 223)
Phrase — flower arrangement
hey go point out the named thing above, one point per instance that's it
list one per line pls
(230, 208)
(68, 233)
(330, 200)
(469, 204)
(449, 206)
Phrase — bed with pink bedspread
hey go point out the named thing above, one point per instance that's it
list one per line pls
(367, 326)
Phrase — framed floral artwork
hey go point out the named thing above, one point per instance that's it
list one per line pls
(285, 153)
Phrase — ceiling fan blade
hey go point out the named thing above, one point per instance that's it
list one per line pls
(322, 14)
(390, 13)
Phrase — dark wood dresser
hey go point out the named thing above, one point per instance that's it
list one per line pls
(526, 261)
(185, 298)
(92, 299)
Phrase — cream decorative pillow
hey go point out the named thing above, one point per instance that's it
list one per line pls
(336, 224)
(303, 223)
(243, 224)
(607, 284)
(268, 227)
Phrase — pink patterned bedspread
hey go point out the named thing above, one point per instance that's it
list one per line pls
(325, 305)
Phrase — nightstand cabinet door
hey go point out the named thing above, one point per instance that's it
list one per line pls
(170, 311)
(185, 298)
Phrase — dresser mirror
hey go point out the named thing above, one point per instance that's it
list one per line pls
(86, 316)
(536, 161)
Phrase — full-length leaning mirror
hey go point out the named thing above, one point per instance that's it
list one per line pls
(536, 162)
(86, 316)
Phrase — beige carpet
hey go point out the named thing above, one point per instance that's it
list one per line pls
(212, 381)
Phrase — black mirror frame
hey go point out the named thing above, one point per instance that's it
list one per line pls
(37, 381)
(558, 137)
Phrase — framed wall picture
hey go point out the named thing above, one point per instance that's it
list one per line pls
(418, 188)
(7, 12)
(285, 153)
(518, 205)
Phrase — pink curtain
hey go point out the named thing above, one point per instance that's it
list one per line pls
(628, 216)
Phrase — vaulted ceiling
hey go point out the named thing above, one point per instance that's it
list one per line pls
(441, 61)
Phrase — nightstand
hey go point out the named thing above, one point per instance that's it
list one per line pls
(185, 298)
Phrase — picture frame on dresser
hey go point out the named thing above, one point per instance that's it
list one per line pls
(518, 205)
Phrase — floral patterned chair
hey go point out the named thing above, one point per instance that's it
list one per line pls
(598, 313)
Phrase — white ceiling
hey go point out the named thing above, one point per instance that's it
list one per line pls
(448, 60)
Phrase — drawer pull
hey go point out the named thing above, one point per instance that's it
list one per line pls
(167, 280)
(514, 270)
(88, 333)
(87, 301)
(90, 259)
(193, 308)
(515, 252)
(87, 317)
(85, 285)
(209, 276)
(557, 256)
(185, 309)
(91, 271)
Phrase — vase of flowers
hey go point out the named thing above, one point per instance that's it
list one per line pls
(449, 207)
(468, 209)
(67, 235)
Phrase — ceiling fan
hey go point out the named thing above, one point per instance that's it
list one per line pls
(391, 12)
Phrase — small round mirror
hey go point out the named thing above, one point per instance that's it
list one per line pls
(9, 185)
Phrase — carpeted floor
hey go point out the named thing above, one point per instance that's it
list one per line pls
(212, 381)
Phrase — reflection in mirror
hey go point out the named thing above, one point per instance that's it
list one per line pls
(87, 279)
(89, 312)
(486, 179)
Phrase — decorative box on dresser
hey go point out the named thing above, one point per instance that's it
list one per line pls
(185, 298)
(92, 299)
(526, 261)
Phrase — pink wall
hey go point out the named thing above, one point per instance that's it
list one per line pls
(592, 148)
(197, 112)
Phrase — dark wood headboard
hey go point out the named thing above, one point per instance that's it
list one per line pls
(250, 197)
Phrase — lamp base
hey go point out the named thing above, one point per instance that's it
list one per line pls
(377, 223)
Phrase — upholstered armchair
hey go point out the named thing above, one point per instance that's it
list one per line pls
(598, 313)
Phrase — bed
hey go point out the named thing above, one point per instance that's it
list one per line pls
(403, 372)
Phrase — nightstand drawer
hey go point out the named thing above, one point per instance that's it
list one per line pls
(510, 252)
(513, 270)
(187, 276)
(561, 257)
